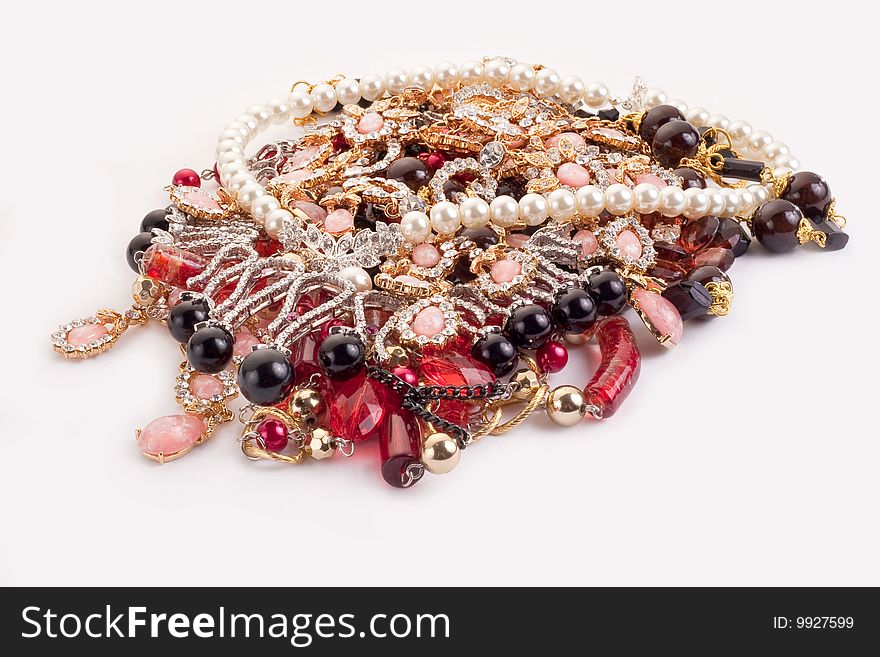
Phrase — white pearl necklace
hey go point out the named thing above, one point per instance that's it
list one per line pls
(504, 211)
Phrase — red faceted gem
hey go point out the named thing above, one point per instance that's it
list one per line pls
(551, 357)
(339, 143)
(172, 265)
(668, 271)
(187, 178)
(671, 252)
(355, 407)
(455, 369)
(619, 369)
(716, 257)
(698, 233)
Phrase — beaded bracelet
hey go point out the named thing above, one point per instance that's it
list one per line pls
(410, 266)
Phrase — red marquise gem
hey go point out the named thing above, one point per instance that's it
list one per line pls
(355, 407)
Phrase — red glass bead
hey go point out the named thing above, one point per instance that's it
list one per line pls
(187, 178)
(697, 233)
(668, 271)
(339, 143)
(435, 160)
(552, 357)
(716, 257)
(355, 407)
(407, 374)
(172, 265)
(619, 369)
(455, 369)
(216, 173)
(400, 443)
(274, 434)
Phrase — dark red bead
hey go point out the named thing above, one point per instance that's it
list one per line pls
(656, 117)
(411, 171)
(187, 178)
(675, 141)
(551, 357)
(690, 178)
(810, 193)
(671, 252)
(715, 257)
(668, 271)
(699, 233)
(691, 299)
(708, 274)
(400, 440)
(731, 236)
(776, 224)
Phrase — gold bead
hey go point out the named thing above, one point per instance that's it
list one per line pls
(397, 356)
(146, 291)
(527, 381)
(306, 406)
(320, 444)
(565, 405)
(440, 453)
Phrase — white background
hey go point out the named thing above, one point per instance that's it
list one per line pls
(748, 455)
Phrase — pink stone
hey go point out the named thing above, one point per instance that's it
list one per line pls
(429, 322)
(174, 297)
(370, 122)
(425, 255)
(503, 271)
(338, 221)
(655, 180)
(302, 157)
(314, 211)
(610, 133)
(86, 334)
(298, 174)
(661, 313)
(205, 386)
(201, 200)
(244, 340)
(517, 240)
(587, 240)
(573, 175)
(410, 280)
(629, 244)
(170, 434)
(573, 137)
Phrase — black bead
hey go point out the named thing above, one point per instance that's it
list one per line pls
(483, 237)
(691, 299)
(183, 317)
(690, 178)
(496, 351)
(411, 171)
(655, 117)
(514, 187)
(835, 238)
(412, 150)
(608, 291)
(210, 349)
(742, 169)
(367, 215)
(574, 311)
(810, 193)
(265, 377)
(708, 274)
(341, 355)
(138, 244)
(583, 114)
(675, 141)
(155, 219)
(610, 114)
(529, 326)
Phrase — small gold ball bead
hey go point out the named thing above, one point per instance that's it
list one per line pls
(320, 444)
(565, 405)
(527, 381)
(146, 291)
(440, 453)
(306, 406)
(397, 356)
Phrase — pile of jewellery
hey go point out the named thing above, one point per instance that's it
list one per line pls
(417, 259)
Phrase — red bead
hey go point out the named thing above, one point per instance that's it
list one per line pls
(619, 369)
(716, 257)
(339, 143)
(216, 173)
(552, 357)
(274, 434)
(172, 265)
(355, 407)
(407, 374)
(187, 178)
(400, 443)
(454, 369)
(435, 160)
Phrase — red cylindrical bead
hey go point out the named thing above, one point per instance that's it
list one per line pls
(172, 265)
(187, 178)
(619, 369)
(400, 444)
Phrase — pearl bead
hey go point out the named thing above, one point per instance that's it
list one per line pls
(698, 116)
(372, 87)
(229, 146)
(618, 199)
(474, 212)
(229, 170)
(348, 91)
(596, 94)
(716, 201)
(274, 222)
(740, 130)
(395, 80)
(590, 201)
(239, 180)
(229, 158)
(787, 162)
(562, 204)
(522, 77)
(415, 227)
(747, 202)
(444, 218)
(646, 198)
(547, 82)
(261, 116)
(264, 205)
(761, 193)
(239, 128)
(572, 89)
(655, 97)
(696, 203)
(446, 75)
(775, 149)
(324, 96)
(301, 104)
(279, 110)
(496, 71)
(504, 211)
(759, 140)
(718, 121)
(421, 76)
(250, 193)
(672, 201)
(248, 121)
(359, 277)
(533, 209)
(470, 72)
(678, 104)
(731, 203)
